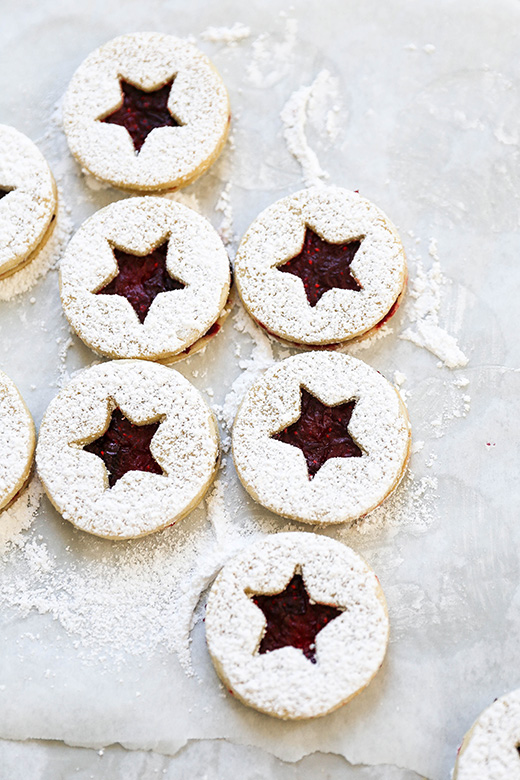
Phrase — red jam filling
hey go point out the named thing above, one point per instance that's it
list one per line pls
(292, 619)
(141, 279)
(321, 432)
(141, 112)
(125, 447)
(322, 266)
(211, 332)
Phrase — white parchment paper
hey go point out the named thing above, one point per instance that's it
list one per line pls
(417, 105)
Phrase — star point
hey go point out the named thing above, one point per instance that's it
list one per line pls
(321, 432)
(323, 266)
(3, 192)
(292, 619)
(142, 111)
(125, 446)
(140, 278)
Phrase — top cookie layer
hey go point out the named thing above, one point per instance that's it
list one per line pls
(490, 749)
(278, 300)
(175, 319)
(275, 472)
(170, 156)
(349, 650)
(185, 448)
(17, 440)
(28, 207)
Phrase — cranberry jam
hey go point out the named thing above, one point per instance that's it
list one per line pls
(322, 266)
(321, 432)
(125, 447)
(141, 112)
(292, 619)
(141, 279)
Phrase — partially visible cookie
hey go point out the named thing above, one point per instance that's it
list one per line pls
(296, 625)
(28, 200)
(127, 448)
(145, 278)
(146, 112)
(322, 438)
(17, 440)
(321, 267)
(491, 748)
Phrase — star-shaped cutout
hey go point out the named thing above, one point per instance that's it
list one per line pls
(125, 446)
(292, 619)
(3, 192)
(321, 432)
(141, 111)
(322, 266)
(140, 278)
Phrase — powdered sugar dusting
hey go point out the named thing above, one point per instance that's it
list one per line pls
(294, 118)
(271, 59)
(231, 36)
(18, 517)
(425, 292)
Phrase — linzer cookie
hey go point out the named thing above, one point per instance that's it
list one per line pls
(146, 112)
(296, 625)
(145, 278)
(321, 267)
(127, 448)
(491, 749)
(17, 440)
(322, 438)
(27, 201)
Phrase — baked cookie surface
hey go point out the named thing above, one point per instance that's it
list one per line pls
(321, 267)
(146, 112)
(296, 625)
(491, 748)
(321, 437)
(28, 200)
(127, 448)
(144, 278)
(17, 440)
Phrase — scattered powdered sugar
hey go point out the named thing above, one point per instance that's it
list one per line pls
(412, 506)
(294, 118)
(424, 303)
(228, 35)
(252, 367)
(18, 517)
(272, 59)
(224, 206)
(45, 259)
